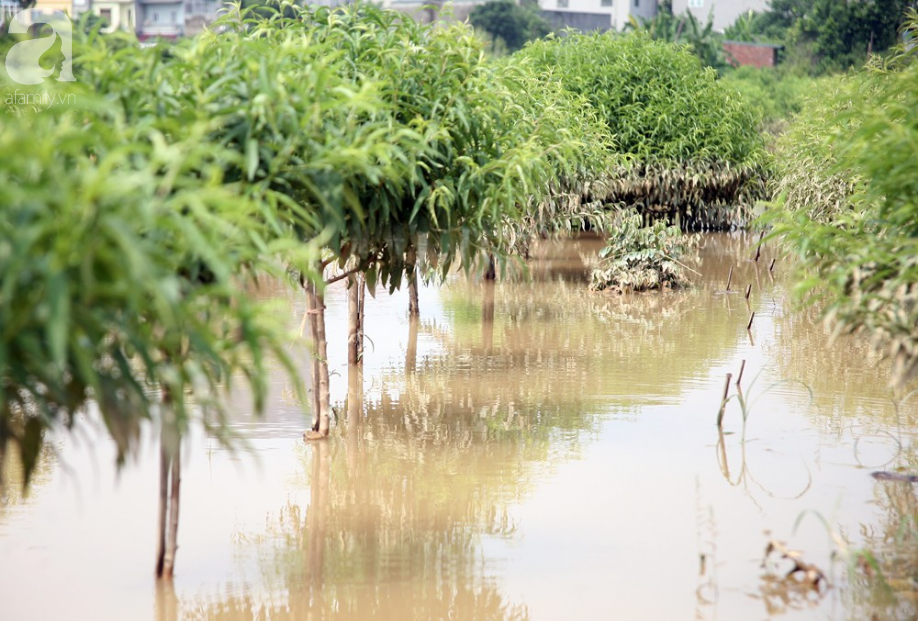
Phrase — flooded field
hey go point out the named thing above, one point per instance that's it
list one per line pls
(527, 450)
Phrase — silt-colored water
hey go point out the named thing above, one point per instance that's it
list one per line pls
(526, 450)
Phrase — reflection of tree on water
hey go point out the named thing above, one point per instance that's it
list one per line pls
(399, 502)
(11, 477)
(405, 496)
(569, 344)
(848, 384)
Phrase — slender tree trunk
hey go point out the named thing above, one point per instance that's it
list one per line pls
(361, 317)
(491, 273)
(164, 463)
(487, 317)
(174, 504)
(313, 311)
(353, 322)
(324, 397)
(169, 489)
(320, 366)
(411, 267)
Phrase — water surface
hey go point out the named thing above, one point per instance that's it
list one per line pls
(527, 450)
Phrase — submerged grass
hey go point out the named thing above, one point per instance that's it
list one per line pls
(642, 258)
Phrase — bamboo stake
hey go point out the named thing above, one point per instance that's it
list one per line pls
(723, 403)
(324, 405)
(749, 325)
(748, 290)
(729, 278)
(739, 378)
(758, 248)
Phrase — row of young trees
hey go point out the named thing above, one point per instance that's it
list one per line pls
(333, 143)
(321, 144)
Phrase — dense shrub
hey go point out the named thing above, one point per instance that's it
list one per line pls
(691, 143)
(776, 95)
(849, 208)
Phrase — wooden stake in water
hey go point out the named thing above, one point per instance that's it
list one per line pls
(739, 378)
(729, 278)
(748, 290)
(758, 248)
(749, 325)
(772, 266)
(723, 403)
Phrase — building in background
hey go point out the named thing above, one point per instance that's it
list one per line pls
(43, 6)
(118, 14)
(200, 13)
(586, 15)
(160, 19)
(724, 12)
(752, 54)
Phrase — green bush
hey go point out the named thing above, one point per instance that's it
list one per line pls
(119, 273)
(776, 95)
(848, 208)
(691, 143)
(641, 258)
(508, 22)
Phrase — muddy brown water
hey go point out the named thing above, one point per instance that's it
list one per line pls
(528, 450)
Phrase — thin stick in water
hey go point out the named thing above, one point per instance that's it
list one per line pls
(749, 325)
(758, 248)
(748, 290)
(729, 278)
(772, 266)
(739, 378)
(723, 403)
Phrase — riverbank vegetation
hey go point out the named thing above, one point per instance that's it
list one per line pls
(846, 207)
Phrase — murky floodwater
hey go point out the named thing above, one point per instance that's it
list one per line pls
(527, 450)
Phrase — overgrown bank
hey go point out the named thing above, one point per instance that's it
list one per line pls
(848, 206)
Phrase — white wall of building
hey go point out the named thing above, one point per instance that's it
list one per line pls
(618, 10)
(120, 15)
(725, 11)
